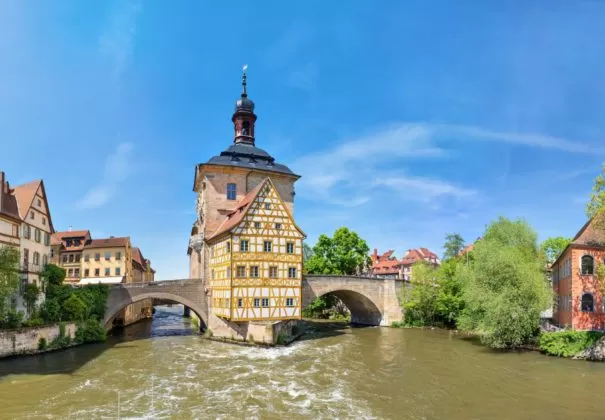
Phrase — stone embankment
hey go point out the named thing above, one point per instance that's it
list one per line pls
(596, 352)
(24, 341)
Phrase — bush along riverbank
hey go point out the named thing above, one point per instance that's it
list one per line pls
(82, 308)
(586, 345)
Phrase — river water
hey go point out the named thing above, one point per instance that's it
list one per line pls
(159, 370)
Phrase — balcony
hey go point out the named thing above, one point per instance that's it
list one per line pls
(196, 241)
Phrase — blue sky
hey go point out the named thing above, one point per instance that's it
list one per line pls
(406, 120)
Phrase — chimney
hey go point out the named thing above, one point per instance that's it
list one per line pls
(375, 252)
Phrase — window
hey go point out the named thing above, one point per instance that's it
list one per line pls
(228, 246)
(107, 256)
(290, 247)
(70, 272)
(52, 253)
(587, 304)
(257, 225)
(86, 272)
(15, 230)
(292, 272)
(44, 259)
(278, 226)
(39, 203)
(267, 206)
(31, 215)
(256, 302)
(77, 272)
(231, 191)
(245, 128)
(240, 271)
(38, 235)
(240, 302)
(212, 252)
(86, 257)
(77, 258)
(265, 302)
(212, 274)
(228, 272)
(273, 272)
(587, 263)
(77, 242)
(107, 272)
(97, 272)
(267, 246)
(26, 231)
(64, 258)
(68, 243)
(118, 256)
(71, 258)
(118, 271)
(46, 238)
(43, 220)
(243, 245)
(289, 302)
(254, 271)
(97, 256)
(36, 258)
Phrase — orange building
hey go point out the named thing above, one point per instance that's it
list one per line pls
(387, 266)
(578, 302)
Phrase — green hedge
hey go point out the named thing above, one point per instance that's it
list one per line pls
(567, 343)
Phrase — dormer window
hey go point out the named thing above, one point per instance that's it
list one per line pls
(231, 191)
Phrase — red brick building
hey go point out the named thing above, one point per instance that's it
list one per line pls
(578, 302)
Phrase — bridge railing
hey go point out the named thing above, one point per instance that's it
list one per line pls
(180, 282)
(342, 276)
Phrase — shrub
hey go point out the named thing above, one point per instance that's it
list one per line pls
(51, 310)
(34, 322)
(30, 296)
(398, 324)
(61, 340)
(74, 308)
(42, 344)
(13, 319)
(90, 331)
(567, 343)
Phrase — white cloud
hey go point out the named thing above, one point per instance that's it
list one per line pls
(117, 168)
(424, 189)
(118, 40)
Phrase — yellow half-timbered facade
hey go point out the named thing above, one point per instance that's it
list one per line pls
(256, 260)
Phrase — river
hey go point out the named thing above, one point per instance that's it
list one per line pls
(159, 370)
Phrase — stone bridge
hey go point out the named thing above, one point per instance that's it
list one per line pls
(189, 292)
(372, 301)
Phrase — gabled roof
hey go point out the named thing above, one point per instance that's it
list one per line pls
(234, 217)
(59, 238)
(415, 255)
(25, 196)
(587, 236)
(108, 243)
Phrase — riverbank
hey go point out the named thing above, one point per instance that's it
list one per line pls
(27, 341)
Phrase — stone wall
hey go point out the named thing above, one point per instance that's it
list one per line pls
(25, 340)
(253, 332)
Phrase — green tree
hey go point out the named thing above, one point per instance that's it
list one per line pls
(30, 296)
(454, 243)
(9, 277)
(74, 308)
(307, 252)
(504, 289)
(450, 301)
(53, 275)
(345, 253)
(595, 208)
(553, 247)
(420, 298)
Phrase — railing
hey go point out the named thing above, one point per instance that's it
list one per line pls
(180, 282)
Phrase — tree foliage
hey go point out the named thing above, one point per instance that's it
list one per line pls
(595, 208)
(74, 308)
(53, 275)
(9, 277)
(454, 243)
(345, 253)
(505, 289)
(30, 296)
(307, 252)
(553, 247)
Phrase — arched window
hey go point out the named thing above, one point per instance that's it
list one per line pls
(587, 303)
(245, 128)
(587, 264)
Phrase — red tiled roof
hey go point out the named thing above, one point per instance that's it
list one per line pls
(415, 255)
(60, 238)
(108, 242)
(25, 196)
(233, 218)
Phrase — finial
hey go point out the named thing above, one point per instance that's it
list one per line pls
(244, 94)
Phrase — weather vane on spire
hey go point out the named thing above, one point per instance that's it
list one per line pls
(244, 79)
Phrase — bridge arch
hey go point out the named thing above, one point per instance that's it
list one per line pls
(188, 293)
(371, 301)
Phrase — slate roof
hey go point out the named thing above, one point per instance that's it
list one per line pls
(244, 155)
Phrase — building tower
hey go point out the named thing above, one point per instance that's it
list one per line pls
(229, 187)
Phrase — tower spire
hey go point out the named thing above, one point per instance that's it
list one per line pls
(244, 93)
